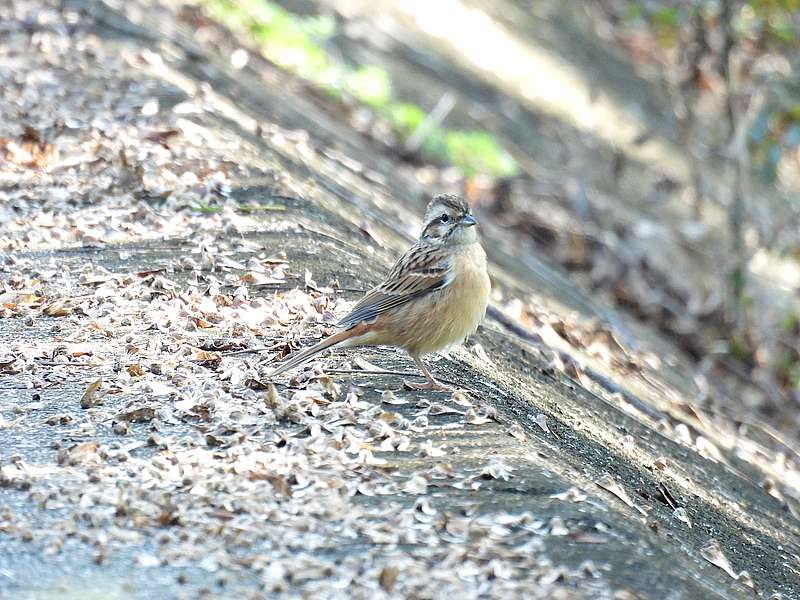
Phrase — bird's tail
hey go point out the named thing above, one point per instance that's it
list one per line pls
(298, 358)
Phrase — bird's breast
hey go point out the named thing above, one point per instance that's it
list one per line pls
(446, 317)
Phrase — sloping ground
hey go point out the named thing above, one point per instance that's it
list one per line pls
(605, 185)
(162, 214)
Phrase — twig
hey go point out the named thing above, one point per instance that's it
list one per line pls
(667, 496)
(690, 86)
(736, 210)
(439, 113)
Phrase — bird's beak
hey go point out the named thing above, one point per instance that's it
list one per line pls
(468, 221)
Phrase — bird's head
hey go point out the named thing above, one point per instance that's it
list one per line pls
(448, 221)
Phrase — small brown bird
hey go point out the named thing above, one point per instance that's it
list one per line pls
(434, 297)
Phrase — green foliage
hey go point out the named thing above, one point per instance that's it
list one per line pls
(667, 23)
(788, 363)
(405, 117)
(794, 375)
(776, 130)
(791, 323)
(788, 368)
(470, 151)
(371, 85)
(286, 40)
(477, 152)
(296, 43)
(739, 348)
(774, 18)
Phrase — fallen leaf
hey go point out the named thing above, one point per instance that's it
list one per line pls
(438, 408)
(573, 494)
(608, 483)
(388, 397)
(541, 421)
(135, 370)
(142, 414)
(515, 430)
(680, 514)
(58, 308)
(365, 365)
(205, 358)
(91, 397)
(388, 577)
(77, 454)
(712, 552)
(7, 366)
(497, 470)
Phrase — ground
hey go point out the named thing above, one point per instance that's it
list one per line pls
(172, 223)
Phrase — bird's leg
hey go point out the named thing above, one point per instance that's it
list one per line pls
(431, 383)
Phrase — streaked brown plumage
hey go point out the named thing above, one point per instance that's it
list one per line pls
(434, 297)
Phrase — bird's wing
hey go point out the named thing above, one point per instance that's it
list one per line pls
(421, 270)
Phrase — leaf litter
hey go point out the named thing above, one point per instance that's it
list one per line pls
(227, 470)
(227, 477)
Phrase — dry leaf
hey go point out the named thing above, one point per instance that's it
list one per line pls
(437, 408)
(541, 421)
(142, 414)
(58, 308)
(461, 399)
(573, 494)
(77, 454)
(608, 483)
(712, 552)
(135, 370)
(497, 469)
(205, 358)
(91, 397)
(365, 365)
(680, 514)
(388, 397)
(388, 577)
(7, 366)
(515, 430)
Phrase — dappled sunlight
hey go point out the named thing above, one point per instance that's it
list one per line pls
(546, 81)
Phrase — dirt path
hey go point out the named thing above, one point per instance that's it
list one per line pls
(161, 212)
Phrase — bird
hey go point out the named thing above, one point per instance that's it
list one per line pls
(434, 297)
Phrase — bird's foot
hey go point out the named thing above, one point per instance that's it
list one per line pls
(430, 384)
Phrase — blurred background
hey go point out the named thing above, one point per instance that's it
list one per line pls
(651, 149)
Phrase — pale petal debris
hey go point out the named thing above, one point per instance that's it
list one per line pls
(557, 526)
(681, 514)
(712, 552)
(610, 484)
(429, 450)
(416, 484)
(437, 408)
(515, 430)
(541, 421)
(259, 466)
(572, 494)
(462, 399)
(497, 469)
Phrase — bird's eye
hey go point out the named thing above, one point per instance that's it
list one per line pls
(444, 218)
